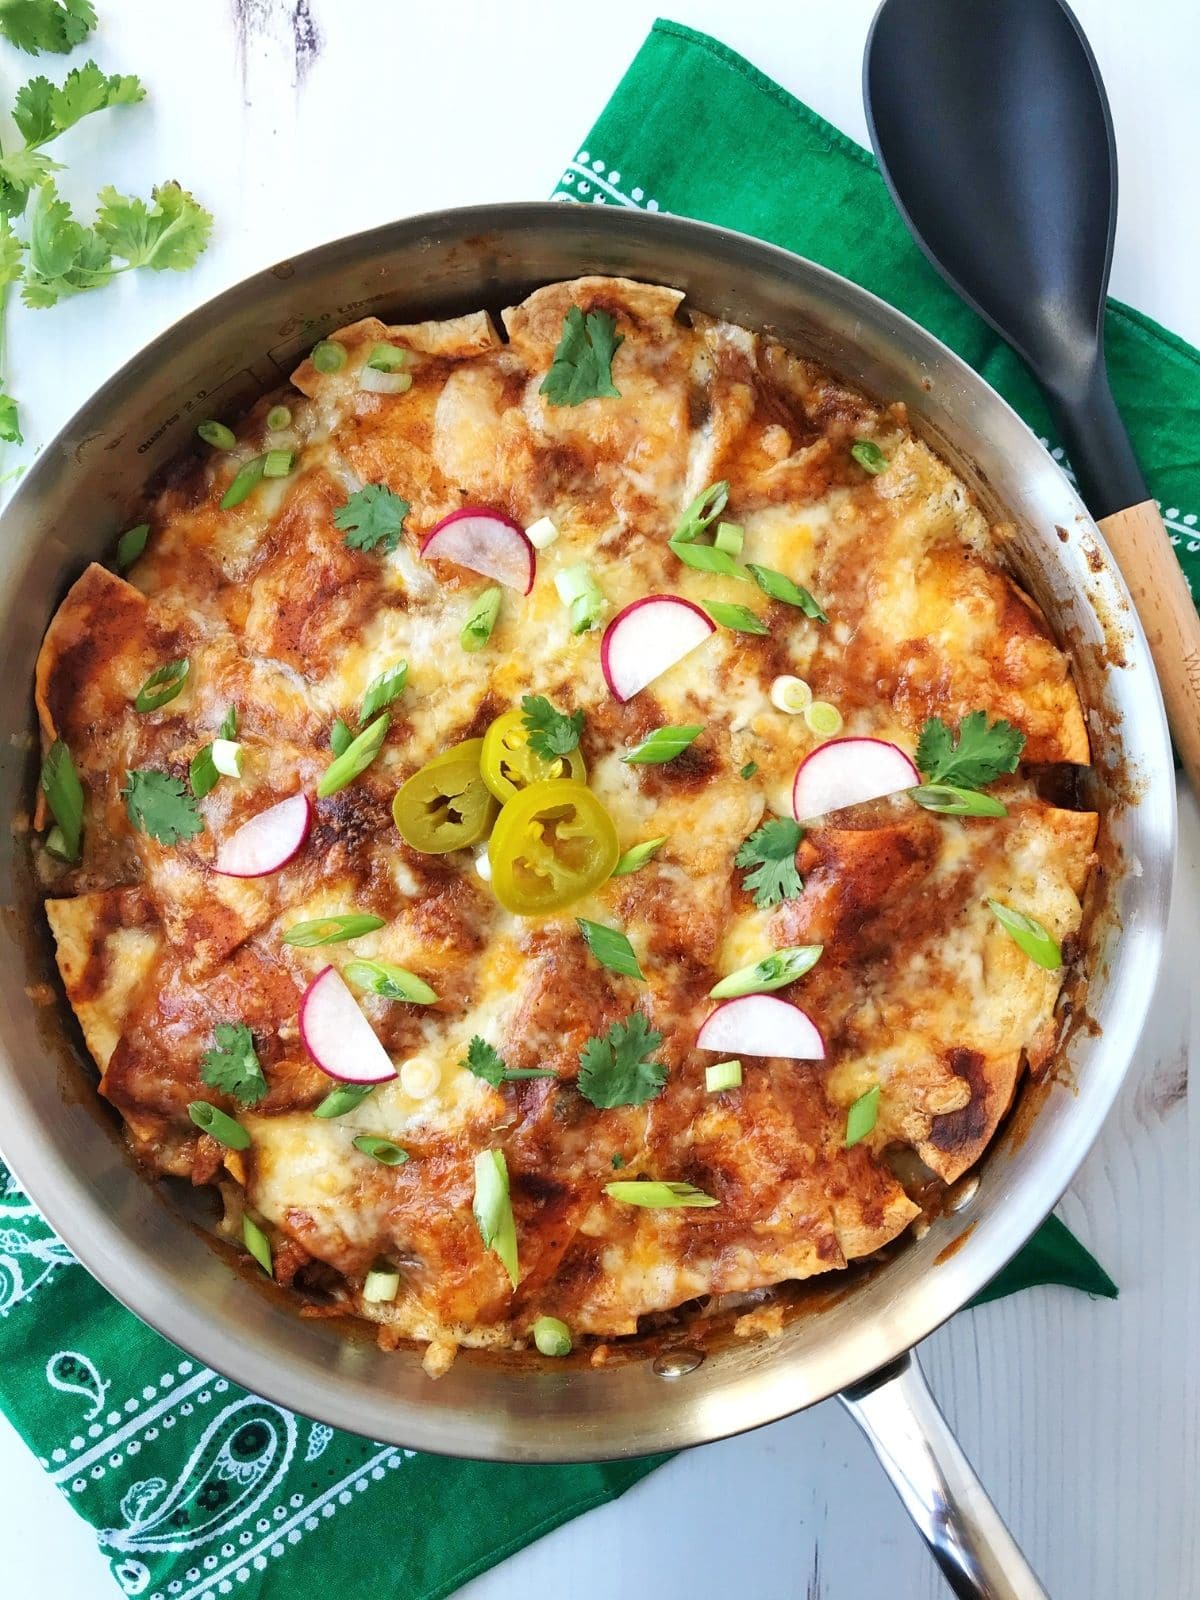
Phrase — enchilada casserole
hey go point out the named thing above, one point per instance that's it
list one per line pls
(458, 721)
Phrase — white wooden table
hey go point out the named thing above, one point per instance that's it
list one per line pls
(1081, 1417)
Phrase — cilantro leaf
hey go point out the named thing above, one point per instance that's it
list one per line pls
(582, 365)
(166, 236)
(372, 517)
(42, 111)
(21, 171)
(65, 258)
(977, 756)
(613, 1070)
(55, 25)
(158, 804)
(487, 1063)
(771, 851)
(550, 733)
(232, 1066)
(10, 427)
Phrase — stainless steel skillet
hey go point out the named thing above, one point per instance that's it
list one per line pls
(138, 1242)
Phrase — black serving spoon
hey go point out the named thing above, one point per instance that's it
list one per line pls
(991, 126)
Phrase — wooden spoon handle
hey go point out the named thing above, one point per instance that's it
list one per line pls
(1142, 549)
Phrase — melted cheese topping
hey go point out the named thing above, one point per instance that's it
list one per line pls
(918, 989)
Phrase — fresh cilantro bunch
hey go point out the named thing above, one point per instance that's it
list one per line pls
(977, 756)
(61, 255)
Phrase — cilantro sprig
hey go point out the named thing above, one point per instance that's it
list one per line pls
(550, 733)
(486, 1062)
(61, 255)
(232, 1065)
(582, 365)
(771, 852)
(372, 518)
(614, 1070)
(977, 755)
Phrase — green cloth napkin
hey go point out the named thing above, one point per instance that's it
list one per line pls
(198, 1489)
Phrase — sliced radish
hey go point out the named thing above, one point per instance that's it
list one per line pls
(646, 638)
(761, 1025)
(336, 1034)
(846, 772)
(268, 841)
(487, 542)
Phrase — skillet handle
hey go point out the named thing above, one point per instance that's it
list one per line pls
(978, 1556)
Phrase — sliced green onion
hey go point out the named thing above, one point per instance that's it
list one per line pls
(611, 948)
(664, 744)
(203, 776)
(707, 558)
(381, 1150)
(637, 856)
(780, 587)
(248, 478)
(748, 770)
(1028, 934)
(227, 757)
(355, 758)
(790, 694)
(578, 591)
(56, 844)
(730, 537)
(822, 718)
(218, 1126)
(380, 1286)
(258, 1244)
(704, 509)
(862, 1116)
(161, 687)
(278, 463)
(542, 533)
(229, 724)
(278, 418)
(659, 1196)
(493, 1210)
(387, 357)
(552, 1336)
(371, 381)
(64, 795)
(868, 455)
(393, 983)
(723, 1075)
(131, 544)
(772, 972)
(739, 618)
(332, 930)
(381, 691)
(346, 1097)
(951, 801)
(328, 356)
(481, 619)
(217, 435)
(340, 736)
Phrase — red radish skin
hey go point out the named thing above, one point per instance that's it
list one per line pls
(845, 772)
(268, 841)
(487, 542)
(338, 1036)
(648, 637)
(761, 1025)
